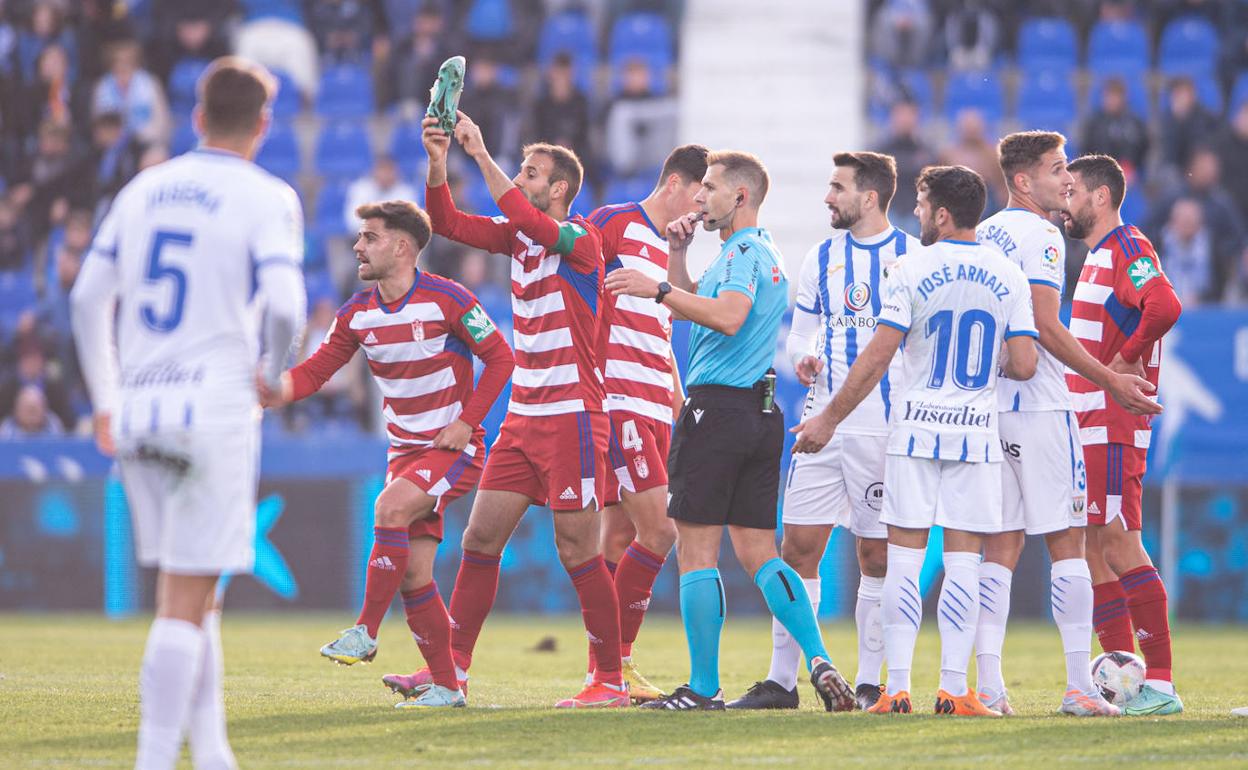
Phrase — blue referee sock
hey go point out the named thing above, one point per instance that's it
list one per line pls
(787, 599)
(702, 610)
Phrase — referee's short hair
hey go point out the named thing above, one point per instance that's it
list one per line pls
(956, 189)
(403, 216)
(745, 169)
(872, 171)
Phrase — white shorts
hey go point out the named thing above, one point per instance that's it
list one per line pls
(841, 484)
(1043, 481)
(920, 493)
(192, 497)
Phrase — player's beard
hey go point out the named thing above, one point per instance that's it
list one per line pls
(1079, 223)
(928, 234)
(540, 201)
(845, 218)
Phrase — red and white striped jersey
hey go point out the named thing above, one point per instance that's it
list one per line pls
(1116, 274)
(556, 295)
(636, 332)
(419, 351)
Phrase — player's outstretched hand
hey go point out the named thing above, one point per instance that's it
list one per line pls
(681, 229)
(1132, 393)
(807, 369)
(813, 434)
(468, 134)
(453, 437)
(435, 140)
(271, 397)
(1120, 365)
(633, 283)
(102, 426)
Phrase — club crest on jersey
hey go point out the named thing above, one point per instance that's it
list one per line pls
(643, 469)
(1142, 271)
(418, 330)
(478, 323)
(1050, 254)
(857, 296)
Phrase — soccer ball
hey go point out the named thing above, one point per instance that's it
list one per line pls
(1118, 675)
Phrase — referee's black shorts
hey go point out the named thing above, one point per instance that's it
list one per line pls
(724, 463)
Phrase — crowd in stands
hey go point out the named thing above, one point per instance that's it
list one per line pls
(1161, 85)
(94, 91)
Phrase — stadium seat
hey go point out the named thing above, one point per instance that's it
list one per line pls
(17, 294)
(645, 36)
(974, 90)
(342, 150)
(572, 33)
(182, 81)
(477, 197)
(1137, 93)
(286, 104)
(1046, 100)
(1047, 43)
(1118, 46)
(1208, 90)
(625, 189)
(489, 20)
(327, 220)
(1239, 93)
(346, 92)
(279, 154)
(184, 137)
(406, 149)
(1189, 44)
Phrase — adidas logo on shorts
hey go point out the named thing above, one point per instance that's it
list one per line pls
(1094, 509)
(568, 494)
(383, 563)
(424, 473)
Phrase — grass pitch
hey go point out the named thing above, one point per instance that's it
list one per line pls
(68, 698)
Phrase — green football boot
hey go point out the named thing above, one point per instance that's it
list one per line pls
(1152, 703)
(445, 93)
(436, 696)
(353, 645)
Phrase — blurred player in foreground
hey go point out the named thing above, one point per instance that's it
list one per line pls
(1122, 307)
(1043, 479)
(173, 262)
(419, 332)
(725, 457)
(953, 304)
(838, 303)
(643, 396)
(552, 447)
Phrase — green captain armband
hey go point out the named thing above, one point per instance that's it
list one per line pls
(445, 93)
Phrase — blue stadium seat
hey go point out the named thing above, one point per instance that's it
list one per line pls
(625, 189)
(287, 103)
(182, 82)
(1208, 91)
(477, 197)
(645, 36)
(184, 137)
(1137, 93)
(974, 90)
(1188, 44)
(489, 20)
(346, 92)
(1047, 43)
(407, 150)
(1239, 93)
(572, 33)
(342, 151)
(327, 220)
(1046, 101)
(17, 294)
(279, 154)
(1118, 46)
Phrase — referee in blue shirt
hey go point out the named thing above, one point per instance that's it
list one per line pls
(724, 465)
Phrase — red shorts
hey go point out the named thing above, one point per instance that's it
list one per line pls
(1115, 483)
(559, 460)
(638, 453)
(439, 473)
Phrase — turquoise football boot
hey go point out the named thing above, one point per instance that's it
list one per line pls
(354, 645)
(1152, 703)
(445, 93)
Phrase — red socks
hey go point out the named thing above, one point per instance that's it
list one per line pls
(431, 628)
(634, 581)
(1146, 598)
(1111, 618)
(475, 588)
(601, 612)
(386, 565)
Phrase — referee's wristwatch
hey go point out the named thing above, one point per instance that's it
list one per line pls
(665, 288)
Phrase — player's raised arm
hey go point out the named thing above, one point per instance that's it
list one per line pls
(448, 221)
(93, 302)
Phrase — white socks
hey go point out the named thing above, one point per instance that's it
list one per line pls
(957, 615)
(902, 606)
(210, 747)
(994, 612)
(869, 619)
(785, 652)
(167, 682)
(1070, 594)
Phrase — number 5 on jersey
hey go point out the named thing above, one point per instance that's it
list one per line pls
(158, 272)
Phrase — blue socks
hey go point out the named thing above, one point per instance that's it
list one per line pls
(786, 597)
(702, 610)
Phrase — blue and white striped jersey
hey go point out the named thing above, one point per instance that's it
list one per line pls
(838, 301)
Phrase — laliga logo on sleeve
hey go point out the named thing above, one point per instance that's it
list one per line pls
(857, 296)
(1050, 254)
